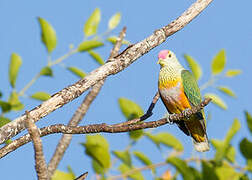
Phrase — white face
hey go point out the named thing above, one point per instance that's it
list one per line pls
(166, 58)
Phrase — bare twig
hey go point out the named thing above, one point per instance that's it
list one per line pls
(115, 65)
(82, 177)
(80, 112)
(37, 143)
(97, 128)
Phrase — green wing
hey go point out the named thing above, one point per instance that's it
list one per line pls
(191, 88)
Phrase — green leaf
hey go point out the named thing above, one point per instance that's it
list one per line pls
(194, 66)
(92, 23)
(217, 100)
(181, 167)
(123, 168)
(236, 126)
(208, 171)
(76, 71)
(70, 170)
(245, 148)
(48, 35)
(223, 147)
(97, 167)
(42, 96)
(218, 62)
(130, 109)
(5, 106)
(97, 148)
(96, 57)
(166, 139)
(60, 175)
(226, 90)
(142, 157)
(16, 105)
(249, 120)
(153, 138)
(88, 45)
(1, 94)
(124, 156)
(169, 140)
(114, 21)
(249, 164)
(15, 63)
(113, 40)
(231, 154)
(136, 135)
(233, 72)
(225, 171)
(4, 120)
(46, 71)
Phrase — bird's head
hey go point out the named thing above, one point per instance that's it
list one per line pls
(166, 57)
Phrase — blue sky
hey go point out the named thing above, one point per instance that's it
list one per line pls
(224, 24)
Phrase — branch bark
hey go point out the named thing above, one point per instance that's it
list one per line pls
(81, 111)
(115, 65)
(40, 164)
(97, 128)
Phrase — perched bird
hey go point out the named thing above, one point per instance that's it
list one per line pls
(179, 91)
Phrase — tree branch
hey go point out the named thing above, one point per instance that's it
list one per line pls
(34, 134)
(80, 112)
(82, 177)
(115, 65)
(97, 128)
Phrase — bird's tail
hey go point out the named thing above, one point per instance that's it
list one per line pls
(201, 146)
(198, 133)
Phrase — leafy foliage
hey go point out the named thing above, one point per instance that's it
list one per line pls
(222, 165)
(217, 100)
(48, 35)
(194, 66)
(42, 96)
(14, 66)
(219, 62)
(97, 148)
(46, 71)
(88, 45)
(92, 23)
(114, 21)
(76, 71)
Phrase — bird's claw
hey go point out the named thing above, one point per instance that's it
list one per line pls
(187, 113)
(168, 119)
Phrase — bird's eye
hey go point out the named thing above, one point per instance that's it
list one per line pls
(169, 55)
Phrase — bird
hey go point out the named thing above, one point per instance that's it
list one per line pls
(179, 92)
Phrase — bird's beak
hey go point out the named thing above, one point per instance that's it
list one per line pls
(159, 61)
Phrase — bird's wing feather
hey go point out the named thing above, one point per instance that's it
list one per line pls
(192, 92)
(191, 88)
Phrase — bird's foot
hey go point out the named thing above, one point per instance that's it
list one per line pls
(168, 119)
(187, 113)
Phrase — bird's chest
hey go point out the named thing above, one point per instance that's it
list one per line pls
(171, 94)
(174, 98)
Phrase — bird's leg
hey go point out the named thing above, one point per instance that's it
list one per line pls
(187, 113)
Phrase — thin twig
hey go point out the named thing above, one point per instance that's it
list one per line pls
(34, 134)
(80, 113)
(82, 177)
(97, 128)
(115, 65)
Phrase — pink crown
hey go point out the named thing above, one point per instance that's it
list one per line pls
(162, 54)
